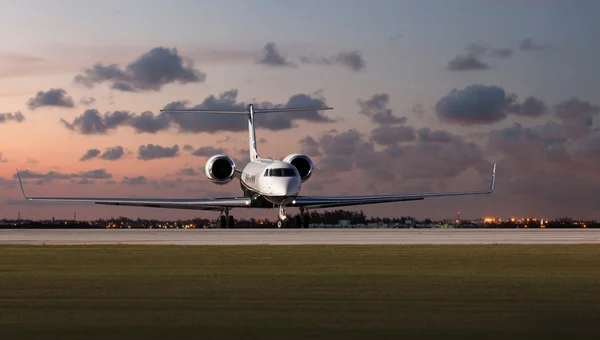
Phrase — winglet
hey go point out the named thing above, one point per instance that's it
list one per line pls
(21, 183)
(493, 178)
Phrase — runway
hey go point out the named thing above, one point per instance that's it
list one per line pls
(298, 236)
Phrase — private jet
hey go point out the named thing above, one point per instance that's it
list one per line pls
(265, 183)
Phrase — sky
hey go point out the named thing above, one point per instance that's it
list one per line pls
(427, 95)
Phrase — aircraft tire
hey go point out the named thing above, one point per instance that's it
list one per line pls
(306, 221)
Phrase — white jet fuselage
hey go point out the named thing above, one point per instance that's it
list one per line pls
(278, 182)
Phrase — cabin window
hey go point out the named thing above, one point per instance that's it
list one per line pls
(266, 173)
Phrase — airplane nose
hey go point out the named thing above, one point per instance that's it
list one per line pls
(286, 187)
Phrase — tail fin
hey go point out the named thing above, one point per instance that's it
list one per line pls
(250, 112)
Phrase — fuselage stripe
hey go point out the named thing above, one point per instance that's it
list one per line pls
(249, 187)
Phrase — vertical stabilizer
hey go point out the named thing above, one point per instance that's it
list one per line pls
(252, 135)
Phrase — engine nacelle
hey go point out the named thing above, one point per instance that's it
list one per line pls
(220, 169)
(302, 163)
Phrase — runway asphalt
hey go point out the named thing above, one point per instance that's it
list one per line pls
(298, 236)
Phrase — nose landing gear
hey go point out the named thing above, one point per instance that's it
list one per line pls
(282, 217)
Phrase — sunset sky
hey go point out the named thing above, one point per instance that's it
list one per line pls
(427, 95)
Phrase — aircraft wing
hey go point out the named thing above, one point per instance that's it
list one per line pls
(343, 201)
(172, 203)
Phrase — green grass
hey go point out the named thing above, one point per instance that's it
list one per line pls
(311, 292)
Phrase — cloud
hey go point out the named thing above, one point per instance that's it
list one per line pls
(207, 151)
(377, 109)
(425, 135)
(482, 50)
(344, 143)
(476, 104)
(470, 58)
(418, 110)
(91, 122)
(467, 63)
(557, 161)
(113, 153)
(139, 180)
(388, 135)
(110, 154)
(434, 155)
(151, 151)
(195, 123)
(528, 44)
(151, 71)
(50, 176)
(575, 109)
(51, 98)
(531, 107)
(3, 158)
(90, 154)
(515, 139)
(87, 101)
(95, 174)
(309, 146)
(482, 104)
(351, 59)
(9, 117)
(149, 123)
(588, 147)
(188, 172)
(84, 181)
(272, 57)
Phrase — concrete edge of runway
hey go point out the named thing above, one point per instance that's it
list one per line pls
(351, 236)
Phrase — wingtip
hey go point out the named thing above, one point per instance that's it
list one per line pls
(493, 184)
(21, 184)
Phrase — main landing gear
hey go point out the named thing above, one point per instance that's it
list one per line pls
(227, 221)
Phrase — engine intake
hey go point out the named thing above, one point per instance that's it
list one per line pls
(302, 163)
(220, 169)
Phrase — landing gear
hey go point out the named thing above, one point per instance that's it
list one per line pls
(304, 219)
(227, 221)
(282, 217)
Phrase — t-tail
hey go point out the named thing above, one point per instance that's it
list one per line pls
(254, 156)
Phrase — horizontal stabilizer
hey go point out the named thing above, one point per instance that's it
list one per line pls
(283, 109)
(208, 111)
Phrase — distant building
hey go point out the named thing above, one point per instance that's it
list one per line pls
(344, 223)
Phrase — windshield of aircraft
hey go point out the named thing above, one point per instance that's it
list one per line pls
(280, 173)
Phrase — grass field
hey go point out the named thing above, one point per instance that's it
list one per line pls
(290, 292)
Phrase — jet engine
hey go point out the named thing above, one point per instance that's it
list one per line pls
(302, 163)
(220, 169)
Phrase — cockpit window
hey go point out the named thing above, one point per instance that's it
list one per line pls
(281, 172)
